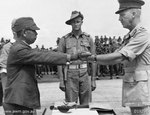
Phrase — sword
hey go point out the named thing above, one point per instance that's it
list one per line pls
(65, 77)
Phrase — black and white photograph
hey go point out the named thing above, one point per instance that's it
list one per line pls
(74, 57)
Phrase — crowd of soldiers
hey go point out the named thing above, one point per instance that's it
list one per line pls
(106, 45)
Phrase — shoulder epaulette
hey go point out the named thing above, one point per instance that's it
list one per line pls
(138, 30)
(65, 36)
(141, 29)
(84, 33)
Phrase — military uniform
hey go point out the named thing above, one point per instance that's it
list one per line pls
(136, 82)
(22, 95)
(78, 81)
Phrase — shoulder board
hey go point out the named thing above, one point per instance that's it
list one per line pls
(141, 29)
(66, 35)
(87, 35)
(138, 30)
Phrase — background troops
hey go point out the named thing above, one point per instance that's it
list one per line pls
(106, 45)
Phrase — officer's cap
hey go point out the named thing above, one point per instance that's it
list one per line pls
(74, 15)
(24, 23)
(127, 4)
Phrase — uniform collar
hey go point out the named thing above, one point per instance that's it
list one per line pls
(135, 29)
(132, 33)
(23, 42)
(72, 34)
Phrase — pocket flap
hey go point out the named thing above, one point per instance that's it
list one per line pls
(141, 75)
(85, 43)
(70, 44)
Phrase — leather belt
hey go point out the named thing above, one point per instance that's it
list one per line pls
(78, 66)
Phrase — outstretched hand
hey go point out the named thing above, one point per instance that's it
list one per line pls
(91, 58)
(81, 56)
(84, 55)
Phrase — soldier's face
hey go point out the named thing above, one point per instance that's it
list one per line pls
(30, 36)
(77, 23)
(126, 19)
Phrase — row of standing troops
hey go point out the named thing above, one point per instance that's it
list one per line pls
(45, 69)
(106, 45)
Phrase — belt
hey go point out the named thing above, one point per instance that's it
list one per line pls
(79, 66)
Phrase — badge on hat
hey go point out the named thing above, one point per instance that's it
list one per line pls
(74, 15)
(127, 4)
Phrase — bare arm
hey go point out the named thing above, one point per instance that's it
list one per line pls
(108, 59)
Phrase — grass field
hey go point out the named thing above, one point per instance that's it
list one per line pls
(107, 92)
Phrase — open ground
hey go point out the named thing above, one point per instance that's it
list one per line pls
(107, 92)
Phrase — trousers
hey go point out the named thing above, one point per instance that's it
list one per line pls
(78, 86)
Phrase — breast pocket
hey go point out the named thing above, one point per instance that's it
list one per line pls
(85, 45)
(70, 47)
(141, 75)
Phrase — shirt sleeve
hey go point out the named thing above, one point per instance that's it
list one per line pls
(136, 46)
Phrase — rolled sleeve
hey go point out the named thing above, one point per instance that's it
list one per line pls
(135, 47)
(128, 53)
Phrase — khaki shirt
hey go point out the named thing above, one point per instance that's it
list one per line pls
(72, 45)
(136, 49)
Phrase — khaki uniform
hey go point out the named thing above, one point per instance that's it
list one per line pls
(78, 85)
(136, 82)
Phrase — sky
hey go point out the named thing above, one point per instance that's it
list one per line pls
(50, 16)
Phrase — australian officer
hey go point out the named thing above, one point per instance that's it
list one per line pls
(22, 93)
(79, 84)
(135, 55)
